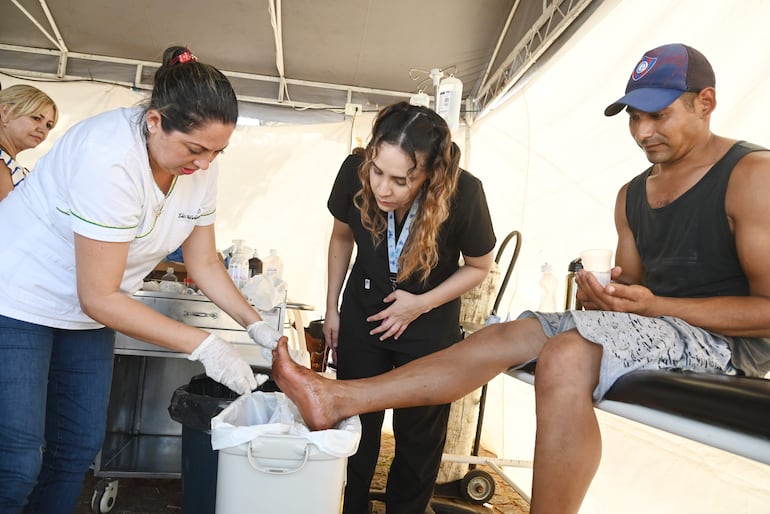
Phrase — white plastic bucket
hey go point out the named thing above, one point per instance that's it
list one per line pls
(279, 474)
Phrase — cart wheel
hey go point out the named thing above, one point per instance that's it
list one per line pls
(105, 493)
(477, 486)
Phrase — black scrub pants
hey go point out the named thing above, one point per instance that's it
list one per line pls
(419, 433)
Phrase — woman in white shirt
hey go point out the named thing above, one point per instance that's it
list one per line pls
(114, 195)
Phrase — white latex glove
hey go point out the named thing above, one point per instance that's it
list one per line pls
(264, 335)
(224, 364)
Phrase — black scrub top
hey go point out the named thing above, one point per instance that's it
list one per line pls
(468, 229)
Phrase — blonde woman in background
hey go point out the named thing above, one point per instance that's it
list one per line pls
(27, 115)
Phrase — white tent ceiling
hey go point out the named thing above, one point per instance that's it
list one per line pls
(298, 54)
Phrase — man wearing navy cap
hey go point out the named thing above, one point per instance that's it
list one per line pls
(690, 290)
(661, 77)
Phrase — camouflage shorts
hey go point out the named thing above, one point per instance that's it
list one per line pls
(632, 342)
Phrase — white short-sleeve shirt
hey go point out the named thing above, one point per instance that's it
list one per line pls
(95, 181)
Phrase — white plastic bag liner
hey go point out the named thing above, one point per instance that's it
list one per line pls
(250, 417)
(269, 461)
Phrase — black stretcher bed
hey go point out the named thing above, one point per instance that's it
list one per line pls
(728, 412)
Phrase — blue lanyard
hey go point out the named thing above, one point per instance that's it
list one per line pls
(394, 247)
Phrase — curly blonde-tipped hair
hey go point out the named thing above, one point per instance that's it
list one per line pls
(425, 137)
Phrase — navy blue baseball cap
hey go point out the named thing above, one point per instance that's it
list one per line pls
(661, 76)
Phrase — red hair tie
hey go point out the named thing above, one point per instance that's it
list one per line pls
(184, 57)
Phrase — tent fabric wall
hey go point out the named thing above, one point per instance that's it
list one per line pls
(551, 164)
(274, 183)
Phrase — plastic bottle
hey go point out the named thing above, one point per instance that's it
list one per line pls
(548, 283)
(450, 94)
(238, 268)
(273, 264)
(255, 265)
(169, 282)
(169, 276)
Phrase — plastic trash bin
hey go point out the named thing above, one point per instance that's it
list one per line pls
(193, 405)
(270, 462)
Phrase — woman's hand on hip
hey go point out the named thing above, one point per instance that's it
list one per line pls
(404, 308)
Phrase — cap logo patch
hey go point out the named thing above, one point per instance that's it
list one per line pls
(644, 66)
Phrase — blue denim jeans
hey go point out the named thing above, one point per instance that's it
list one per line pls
(54, 391)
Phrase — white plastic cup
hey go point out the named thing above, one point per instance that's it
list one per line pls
(598, 262)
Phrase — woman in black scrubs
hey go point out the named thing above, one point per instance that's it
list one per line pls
(411, 212)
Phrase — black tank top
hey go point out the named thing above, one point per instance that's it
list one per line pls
(686, 247)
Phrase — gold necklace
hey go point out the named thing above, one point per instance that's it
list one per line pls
(159, 209)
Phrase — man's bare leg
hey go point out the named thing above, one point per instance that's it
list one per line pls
(568, 442)
(437, 378)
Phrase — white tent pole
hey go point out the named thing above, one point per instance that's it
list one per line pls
(139, 64)
(61, 68)
(39, 26)
(499, 43)
(61, 45)
(274, 7)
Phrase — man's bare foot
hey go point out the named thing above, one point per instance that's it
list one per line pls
(310, 392)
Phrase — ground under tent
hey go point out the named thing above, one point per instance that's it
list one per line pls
(551, 164)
